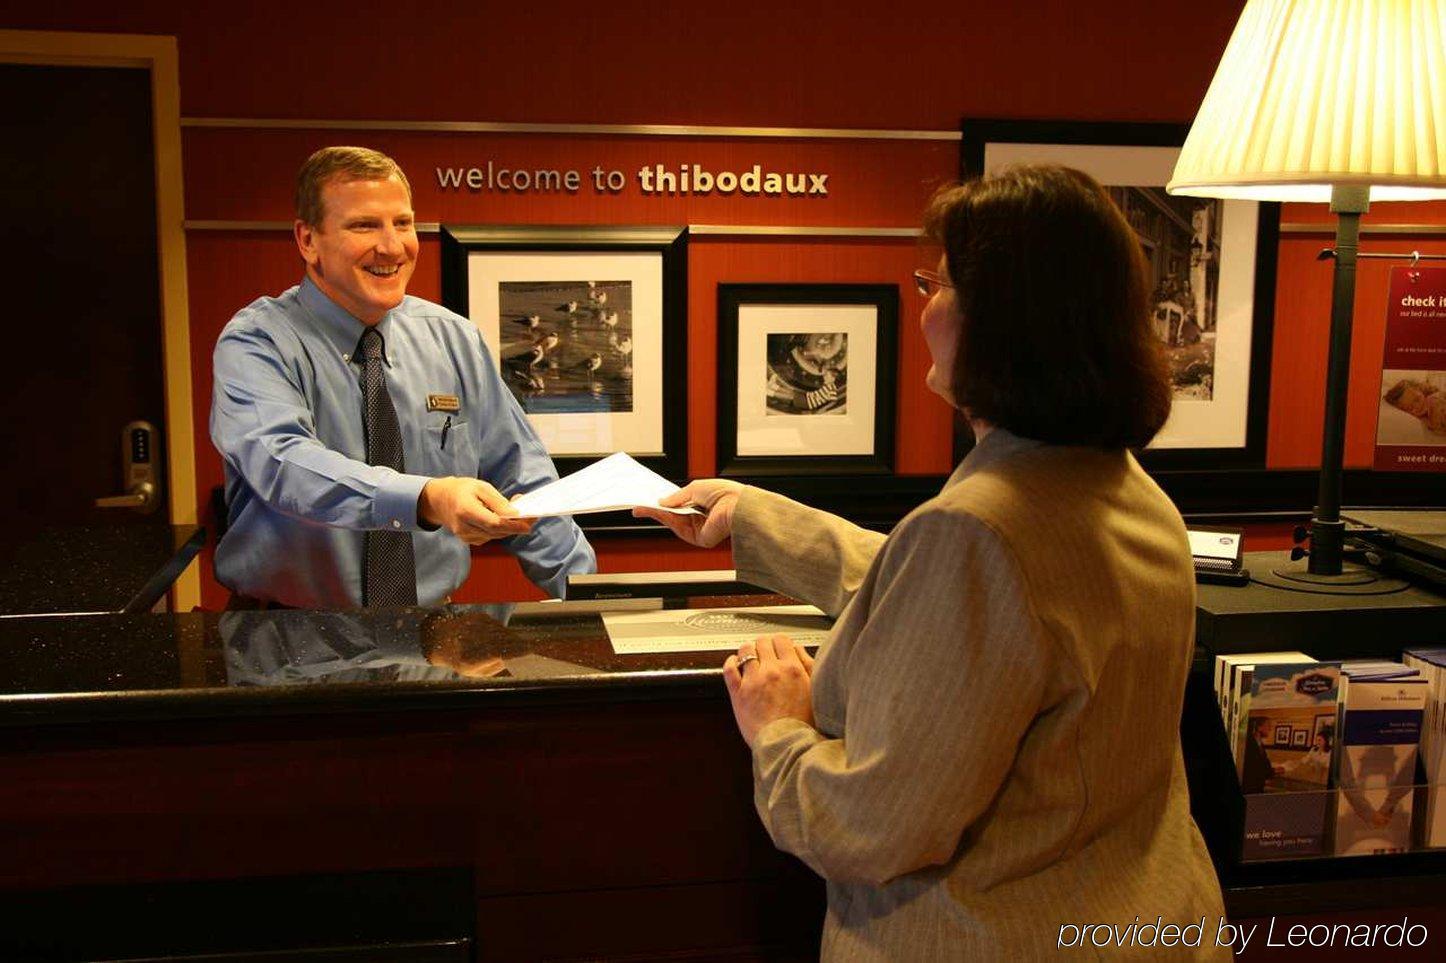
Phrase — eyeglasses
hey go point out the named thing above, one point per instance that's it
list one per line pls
(927, 283)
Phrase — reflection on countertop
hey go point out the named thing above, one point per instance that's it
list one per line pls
(410, 645)
(89, 668)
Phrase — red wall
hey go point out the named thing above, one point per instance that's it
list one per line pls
(841, 63)
(850, 63)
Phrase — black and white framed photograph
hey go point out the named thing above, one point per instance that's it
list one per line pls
(588, 328)
(1211, 267)
(806, 378)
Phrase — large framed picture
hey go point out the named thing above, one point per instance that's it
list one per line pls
(588, 327)
(1211, 272)
(806, 378)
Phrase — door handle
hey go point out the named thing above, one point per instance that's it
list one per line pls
(141, 496)
(139, 479)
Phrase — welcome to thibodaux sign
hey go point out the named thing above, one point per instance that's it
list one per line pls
(653, 179)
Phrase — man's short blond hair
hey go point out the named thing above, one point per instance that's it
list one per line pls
(340, 163)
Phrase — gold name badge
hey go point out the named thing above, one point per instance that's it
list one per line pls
(443, 403)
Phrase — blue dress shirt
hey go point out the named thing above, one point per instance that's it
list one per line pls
(286, 416)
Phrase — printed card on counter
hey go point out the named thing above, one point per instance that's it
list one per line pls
(712, 630)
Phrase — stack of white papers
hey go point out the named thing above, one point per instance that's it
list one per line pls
(614, 484)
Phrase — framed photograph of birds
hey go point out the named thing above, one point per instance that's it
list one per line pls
(588, 327)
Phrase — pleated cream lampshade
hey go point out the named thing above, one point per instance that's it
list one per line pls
(1314, 93)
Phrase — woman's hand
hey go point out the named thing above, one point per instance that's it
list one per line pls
(769, 679)
(715, 496)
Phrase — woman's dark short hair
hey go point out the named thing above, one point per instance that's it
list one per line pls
(1056, 342)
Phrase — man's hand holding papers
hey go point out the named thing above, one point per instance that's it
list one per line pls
(469, 508)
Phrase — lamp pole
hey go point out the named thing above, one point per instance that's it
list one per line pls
(1327, 531)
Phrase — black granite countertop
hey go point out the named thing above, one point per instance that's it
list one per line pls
(94, 568)
(150, 666)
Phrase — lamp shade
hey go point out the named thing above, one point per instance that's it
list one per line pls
(1316, 93)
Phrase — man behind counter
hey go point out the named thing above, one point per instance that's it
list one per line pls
(368, 440)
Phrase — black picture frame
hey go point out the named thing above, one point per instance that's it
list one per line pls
(884, 298)
(976, 136)
(461, 242)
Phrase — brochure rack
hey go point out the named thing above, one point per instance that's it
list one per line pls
(1253, 881)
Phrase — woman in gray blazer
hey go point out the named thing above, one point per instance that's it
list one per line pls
(984, 761)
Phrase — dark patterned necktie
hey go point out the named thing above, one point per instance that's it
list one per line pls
(389, 570)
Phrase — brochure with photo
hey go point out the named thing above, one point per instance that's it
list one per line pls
(1382, 706)
(1282, 772)
(1237, 675)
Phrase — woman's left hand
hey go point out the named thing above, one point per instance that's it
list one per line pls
(769, 679)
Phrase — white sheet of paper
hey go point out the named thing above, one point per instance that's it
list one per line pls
(712, 630)
(613, 484)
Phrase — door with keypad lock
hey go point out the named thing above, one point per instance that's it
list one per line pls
(82, 405)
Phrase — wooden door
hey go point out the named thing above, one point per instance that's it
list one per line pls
(84, 356)
(98, 334)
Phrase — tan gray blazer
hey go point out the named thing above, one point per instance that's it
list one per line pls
(998, 706)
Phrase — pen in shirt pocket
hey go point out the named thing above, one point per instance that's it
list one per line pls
(446, 427)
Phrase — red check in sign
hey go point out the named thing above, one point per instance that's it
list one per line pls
(1411, 418)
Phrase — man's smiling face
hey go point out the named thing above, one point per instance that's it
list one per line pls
(363, 252)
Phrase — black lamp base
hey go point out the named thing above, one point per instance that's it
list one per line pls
(1352, 580)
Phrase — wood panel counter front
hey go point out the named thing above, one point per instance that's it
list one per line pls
(464, 783)
(602, 804)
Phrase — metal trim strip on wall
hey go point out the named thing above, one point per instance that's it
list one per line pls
(769, 230)
(717, 230)
(1328, 228)
(775, 230)
(629, 130)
